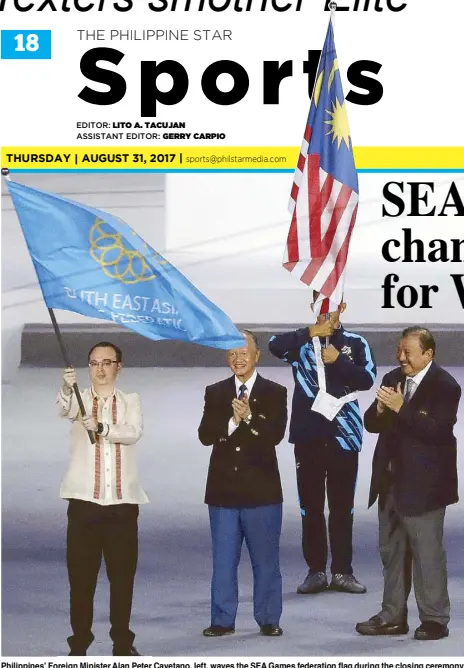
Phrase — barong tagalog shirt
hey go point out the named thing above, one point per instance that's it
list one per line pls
(104, 472)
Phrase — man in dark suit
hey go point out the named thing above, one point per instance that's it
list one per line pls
(414, 476)
(244, 418)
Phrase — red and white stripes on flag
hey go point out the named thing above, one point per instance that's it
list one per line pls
(323, 215)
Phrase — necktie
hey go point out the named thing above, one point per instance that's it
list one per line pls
(409, 386)
(241, 391)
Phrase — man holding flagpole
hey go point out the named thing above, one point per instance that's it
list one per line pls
(104, 493)
(90, 262)
(327, 438)
(326, 424)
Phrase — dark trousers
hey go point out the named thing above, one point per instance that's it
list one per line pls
(95, 531)
(320, 466)
(261, 529)
(411, 548)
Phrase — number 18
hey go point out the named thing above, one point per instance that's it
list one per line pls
(32, 42)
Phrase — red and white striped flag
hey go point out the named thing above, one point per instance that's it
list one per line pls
(324, 197)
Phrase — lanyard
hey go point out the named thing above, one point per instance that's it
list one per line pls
(321, 374)
(319, 363)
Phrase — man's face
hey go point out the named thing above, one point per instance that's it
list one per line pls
(334, 316)
(242, 361)
(411, 357)
(103, 366)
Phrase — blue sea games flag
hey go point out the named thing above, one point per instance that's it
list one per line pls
(90, 262)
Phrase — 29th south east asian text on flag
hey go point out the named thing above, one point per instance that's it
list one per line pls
(90, 262)
(325, 193)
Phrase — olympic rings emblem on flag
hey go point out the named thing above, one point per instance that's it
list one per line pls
(117, 261)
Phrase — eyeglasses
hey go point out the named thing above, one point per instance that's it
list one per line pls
(93, 364)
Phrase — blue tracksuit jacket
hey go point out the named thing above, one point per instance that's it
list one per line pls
(354, 369)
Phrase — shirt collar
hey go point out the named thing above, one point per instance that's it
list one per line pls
(249, 384)
(94, 393)
(419, 377)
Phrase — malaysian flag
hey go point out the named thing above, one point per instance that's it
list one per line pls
(324, 197)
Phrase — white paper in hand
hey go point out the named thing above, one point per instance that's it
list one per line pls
(326, 404)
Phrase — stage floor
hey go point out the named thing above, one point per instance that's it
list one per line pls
(171, 600)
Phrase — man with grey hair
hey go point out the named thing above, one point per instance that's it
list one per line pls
(414, 477)
(244, 418)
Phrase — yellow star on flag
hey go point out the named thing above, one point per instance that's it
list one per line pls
(340, 128)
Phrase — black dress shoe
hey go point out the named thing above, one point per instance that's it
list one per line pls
(313, 583)
(376, 626)
(214, 631)
(271, 630)
(431, 631)
(347, 584)
(125, 651)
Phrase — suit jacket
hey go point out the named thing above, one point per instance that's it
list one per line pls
(243, 470)
(420, 443)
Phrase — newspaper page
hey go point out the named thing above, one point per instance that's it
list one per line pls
(168, 142)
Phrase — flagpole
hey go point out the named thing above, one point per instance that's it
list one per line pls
(68, 364)
(333, 9)
(6, 174)
(327, 317)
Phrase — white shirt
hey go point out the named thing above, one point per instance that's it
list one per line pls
(249, 386)
(104, 472)
(417, 379)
